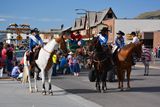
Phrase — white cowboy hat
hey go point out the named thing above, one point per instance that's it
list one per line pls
(70, 53)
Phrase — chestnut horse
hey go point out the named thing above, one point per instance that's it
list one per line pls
(102, 63)
(123, 60)
(44, 62)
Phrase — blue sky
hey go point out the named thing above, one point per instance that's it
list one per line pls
(47, 14)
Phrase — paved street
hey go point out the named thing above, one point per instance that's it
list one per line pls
(71, 91)
(14, 94)
(145, 90)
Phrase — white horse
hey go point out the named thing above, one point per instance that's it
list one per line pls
(44, 62)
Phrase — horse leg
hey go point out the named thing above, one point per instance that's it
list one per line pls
(43, 83)
(104, 76)
(49, 82)
(119, 78)
(122, 79)
(29, 78)
(128, 77)
(98, 84)
(35, 81)
(104, 86)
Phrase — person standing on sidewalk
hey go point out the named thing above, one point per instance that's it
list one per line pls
(54, 59)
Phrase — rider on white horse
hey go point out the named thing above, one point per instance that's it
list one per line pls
(34, 39)
(35, 43)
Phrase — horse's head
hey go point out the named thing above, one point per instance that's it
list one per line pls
(96, 44)
(61, 41)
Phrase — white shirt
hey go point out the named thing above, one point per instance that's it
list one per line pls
(135, 40)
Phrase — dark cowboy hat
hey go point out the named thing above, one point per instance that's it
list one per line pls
(120, 33)
(104, 29)
(35, 30)
(133, 33)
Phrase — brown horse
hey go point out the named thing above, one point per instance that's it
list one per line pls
(123, 60)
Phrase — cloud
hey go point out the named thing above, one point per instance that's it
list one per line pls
(45, 19)
(2, 20)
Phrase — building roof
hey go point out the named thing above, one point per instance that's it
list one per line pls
(94, 18)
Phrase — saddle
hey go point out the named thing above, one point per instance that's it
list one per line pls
(32, 56)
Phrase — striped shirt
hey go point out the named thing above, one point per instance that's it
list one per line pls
(146, 55)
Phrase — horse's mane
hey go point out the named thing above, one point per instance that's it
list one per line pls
(126, 47)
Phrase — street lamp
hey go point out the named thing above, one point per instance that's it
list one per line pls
(88, 19)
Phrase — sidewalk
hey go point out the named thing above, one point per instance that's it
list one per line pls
(14, 94)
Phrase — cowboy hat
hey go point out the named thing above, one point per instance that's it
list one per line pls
(104, 29)
(133, 33)
(35, 30)
(120, 33)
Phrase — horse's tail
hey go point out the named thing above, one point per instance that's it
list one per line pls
(25, 69)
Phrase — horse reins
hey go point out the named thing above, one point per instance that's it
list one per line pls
(99, 62)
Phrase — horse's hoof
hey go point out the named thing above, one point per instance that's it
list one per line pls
(103, 91)
(121, 89)
(50, 93)
(98, 90)
(44, 92)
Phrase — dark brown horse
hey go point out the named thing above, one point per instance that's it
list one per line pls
(101, 62)
(123, 60)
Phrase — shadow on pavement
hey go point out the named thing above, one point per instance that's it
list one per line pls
(145, 89)
(80, 91)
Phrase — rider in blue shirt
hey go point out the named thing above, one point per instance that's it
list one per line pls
(103, 36)
(119, 41)
(35, 44)
(35, 40)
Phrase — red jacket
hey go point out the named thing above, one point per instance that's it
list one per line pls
(73, 36)
(79, 37)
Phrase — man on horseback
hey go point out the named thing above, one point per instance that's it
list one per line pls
(35, 43)
(135, 38)
(103, 39)
(103, 36)
(135, 41)
(119, 40)
(35, 40)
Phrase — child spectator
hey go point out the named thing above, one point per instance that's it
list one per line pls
(15, 71)
(76, 68)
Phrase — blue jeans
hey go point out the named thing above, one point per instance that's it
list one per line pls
(54, 71)
(76, 68)
(71, 68)
(9, 65)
